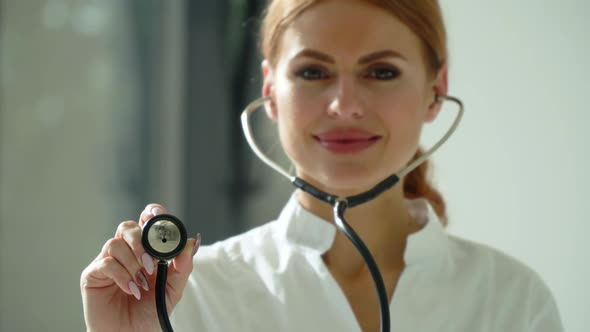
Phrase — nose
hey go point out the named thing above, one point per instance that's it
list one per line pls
(345, 103)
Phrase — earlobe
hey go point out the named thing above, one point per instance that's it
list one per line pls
(268, 90)
(440, 88)
(432, 113)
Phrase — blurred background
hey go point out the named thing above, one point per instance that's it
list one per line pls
(108, 105)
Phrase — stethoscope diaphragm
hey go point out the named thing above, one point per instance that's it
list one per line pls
(164, 236)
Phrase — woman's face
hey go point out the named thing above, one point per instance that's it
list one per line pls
(350, 91)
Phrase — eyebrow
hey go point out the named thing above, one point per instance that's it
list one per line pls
(363, 60)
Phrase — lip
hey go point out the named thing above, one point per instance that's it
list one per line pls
(346, 141)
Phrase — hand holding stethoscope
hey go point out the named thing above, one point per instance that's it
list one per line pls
(119, 286)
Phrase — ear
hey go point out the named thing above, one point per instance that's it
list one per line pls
(268, 90)
(440, 87)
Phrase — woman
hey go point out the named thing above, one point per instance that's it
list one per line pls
(350, 84)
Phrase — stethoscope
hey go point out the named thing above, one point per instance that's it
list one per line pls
(164, 236)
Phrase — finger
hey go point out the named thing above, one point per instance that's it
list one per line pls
(183, 263)
(150, 211)
(131, 233)
(111, 269)
(118, 249)
(182, 266)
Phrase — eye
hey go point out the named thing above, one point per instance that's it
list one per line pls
(383, 73)
(312, 73)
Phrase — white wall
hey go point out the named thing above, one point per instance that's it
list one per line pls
(515, 174)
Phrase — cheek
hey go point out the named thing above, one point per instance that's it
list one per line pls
(401, 111)
(296, 112)
(297, 108)
(401, 115)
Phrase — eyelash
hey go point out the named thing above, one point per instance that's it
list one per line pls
(304, 73)
(390, 72)
(383, 73)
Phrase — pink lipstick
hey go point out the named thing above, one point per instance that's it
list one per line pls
(346, 141)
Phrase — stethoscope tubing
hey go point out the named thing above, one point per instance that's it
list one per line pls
(161, 297)
(340, 204)
(253, 106)
(372, 266)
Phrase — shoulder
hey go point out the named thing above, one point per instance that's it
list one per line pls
(505, 270)
(239, 261)
(506, 283)
(243, 247)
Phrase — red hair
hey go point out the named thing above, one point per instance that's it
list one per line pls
(417, 185)
(424, 18)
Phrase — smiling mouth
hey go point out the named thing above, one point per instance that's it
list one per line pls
(347, 145)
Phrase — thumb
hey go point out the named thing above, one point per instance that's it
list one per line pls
(182, 265)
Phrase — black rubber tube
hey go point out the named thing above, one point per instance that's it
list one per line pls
(161, 297)
(343, 226)
(351, 201)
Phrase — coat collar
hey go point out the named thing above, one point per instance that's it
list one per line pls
(304, 229)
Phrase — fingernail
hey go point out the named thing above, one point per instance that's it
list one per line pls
(133, 288)
(197, 244)
(142, 281)
(156, 211)
(148, 263)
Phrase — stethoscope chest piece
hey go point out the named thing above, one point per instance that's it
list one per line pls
(164, 236)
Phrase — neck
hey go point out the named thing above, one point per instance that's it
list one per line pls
(382, 223)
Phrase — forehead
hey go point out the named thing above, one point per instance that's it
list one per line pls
(349, 29)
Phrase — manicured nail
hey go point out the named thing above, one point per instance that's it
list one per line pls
(142, 281)
(156, 211)
(148, 263)
(197, 244)
(133, 288)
